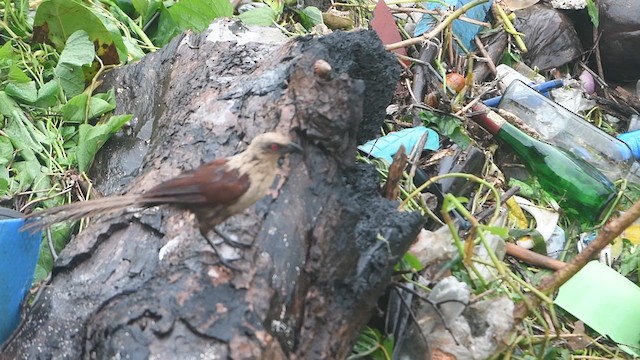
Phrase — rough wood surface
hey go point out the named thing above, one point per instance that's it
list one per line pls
(324, 242)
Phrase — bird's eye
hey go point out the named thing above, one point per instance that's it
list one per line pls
(274, 147)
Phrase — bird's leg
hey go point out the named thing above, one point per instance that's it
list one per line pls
(231, 242)
(223, 261)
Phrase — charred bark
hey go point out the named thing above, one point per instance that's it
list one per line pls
(324, 242)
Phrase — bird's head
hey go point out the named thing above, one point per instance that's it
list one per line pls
(272, 146)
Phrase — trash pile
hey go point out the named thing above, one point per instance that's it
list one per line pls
(524, 157)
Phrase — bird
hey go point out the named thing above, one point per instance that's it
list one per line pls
(214, 191)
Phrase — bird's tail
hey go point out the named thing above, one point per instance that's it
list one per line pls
(78, 210)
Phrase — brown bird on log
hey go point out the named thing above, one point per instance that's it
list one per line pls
(214, 191)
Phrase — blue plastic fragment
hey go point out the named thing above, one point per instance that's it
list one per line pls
(632, 139)
(18, 257)
(386, 146)
(465, 31)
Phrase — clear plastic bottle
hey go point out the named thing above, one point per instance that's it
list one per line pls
(569, 131)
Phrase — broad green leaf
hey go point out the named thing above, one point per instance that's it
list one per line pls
(71, 79)
(448, 126)
(167, 28)
(76, 111)
(24, 92)
(278, 5)
(17, 75)
(198, 14)
(7, 105)
(42, 185)
(5, 181)
(6, 52)
(6, 150)
(411, 261)
(108, 96)
(133, 49)
(262, 16)
(93, 137)
(26, 172)
(4, 186)
(310, 17)
(141, 6)
(60, 234)
(48, 94)
(98, 107)
(78, 52)
(56, 20)
(148, 9)
(127, 7)
(23, 135)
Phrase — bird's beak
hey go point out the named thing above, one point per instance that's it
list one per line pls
(293, 148)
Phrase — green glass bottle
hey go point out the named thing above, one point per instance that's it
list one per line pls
(580, 189)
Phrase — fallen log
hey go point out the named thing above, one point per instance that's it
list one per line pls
(324, 242)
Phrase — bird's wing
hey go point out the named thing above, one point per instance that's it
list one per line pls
(211, 184)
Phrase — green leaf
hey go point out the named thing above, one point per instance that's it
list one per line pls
(198, 14)
(127, 7)
(310, 17)
(411, 262)
(48, 94)
(23, 92)
(56, 20)
(17, 75)
(448, 126)
(26, 173)
(75, 110)
(539, 244)
(6, 150)
(78, 50)
(501, 231)
(148, 9)
(133, 49)
(262, 16)
(93, 137)
(23, 135)
(167, 28)
(278, 5)
(141, 6)
(71, 79)
(6, 52)
(60, 234)
(4, 186)
(108, 96)
(594, 13)
(77, 53)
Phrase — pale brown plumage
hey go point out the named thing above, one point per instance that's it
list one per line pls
(214, 191)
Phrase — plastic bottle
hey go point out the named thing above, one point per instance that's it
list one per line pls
(561, 127)
(506, 75)
(580, 189)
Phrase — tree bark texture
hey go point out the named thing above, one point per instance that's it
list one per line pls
(324, 242)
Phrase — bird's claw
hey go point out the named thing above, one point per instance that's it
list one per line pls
(231, 242)
(221, 258)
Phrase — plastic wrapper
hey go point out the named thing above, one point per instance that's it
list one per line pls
(549, 35)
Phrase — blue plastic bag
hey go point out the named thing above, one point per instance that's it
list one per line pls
(18, 257)
(465, 31)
